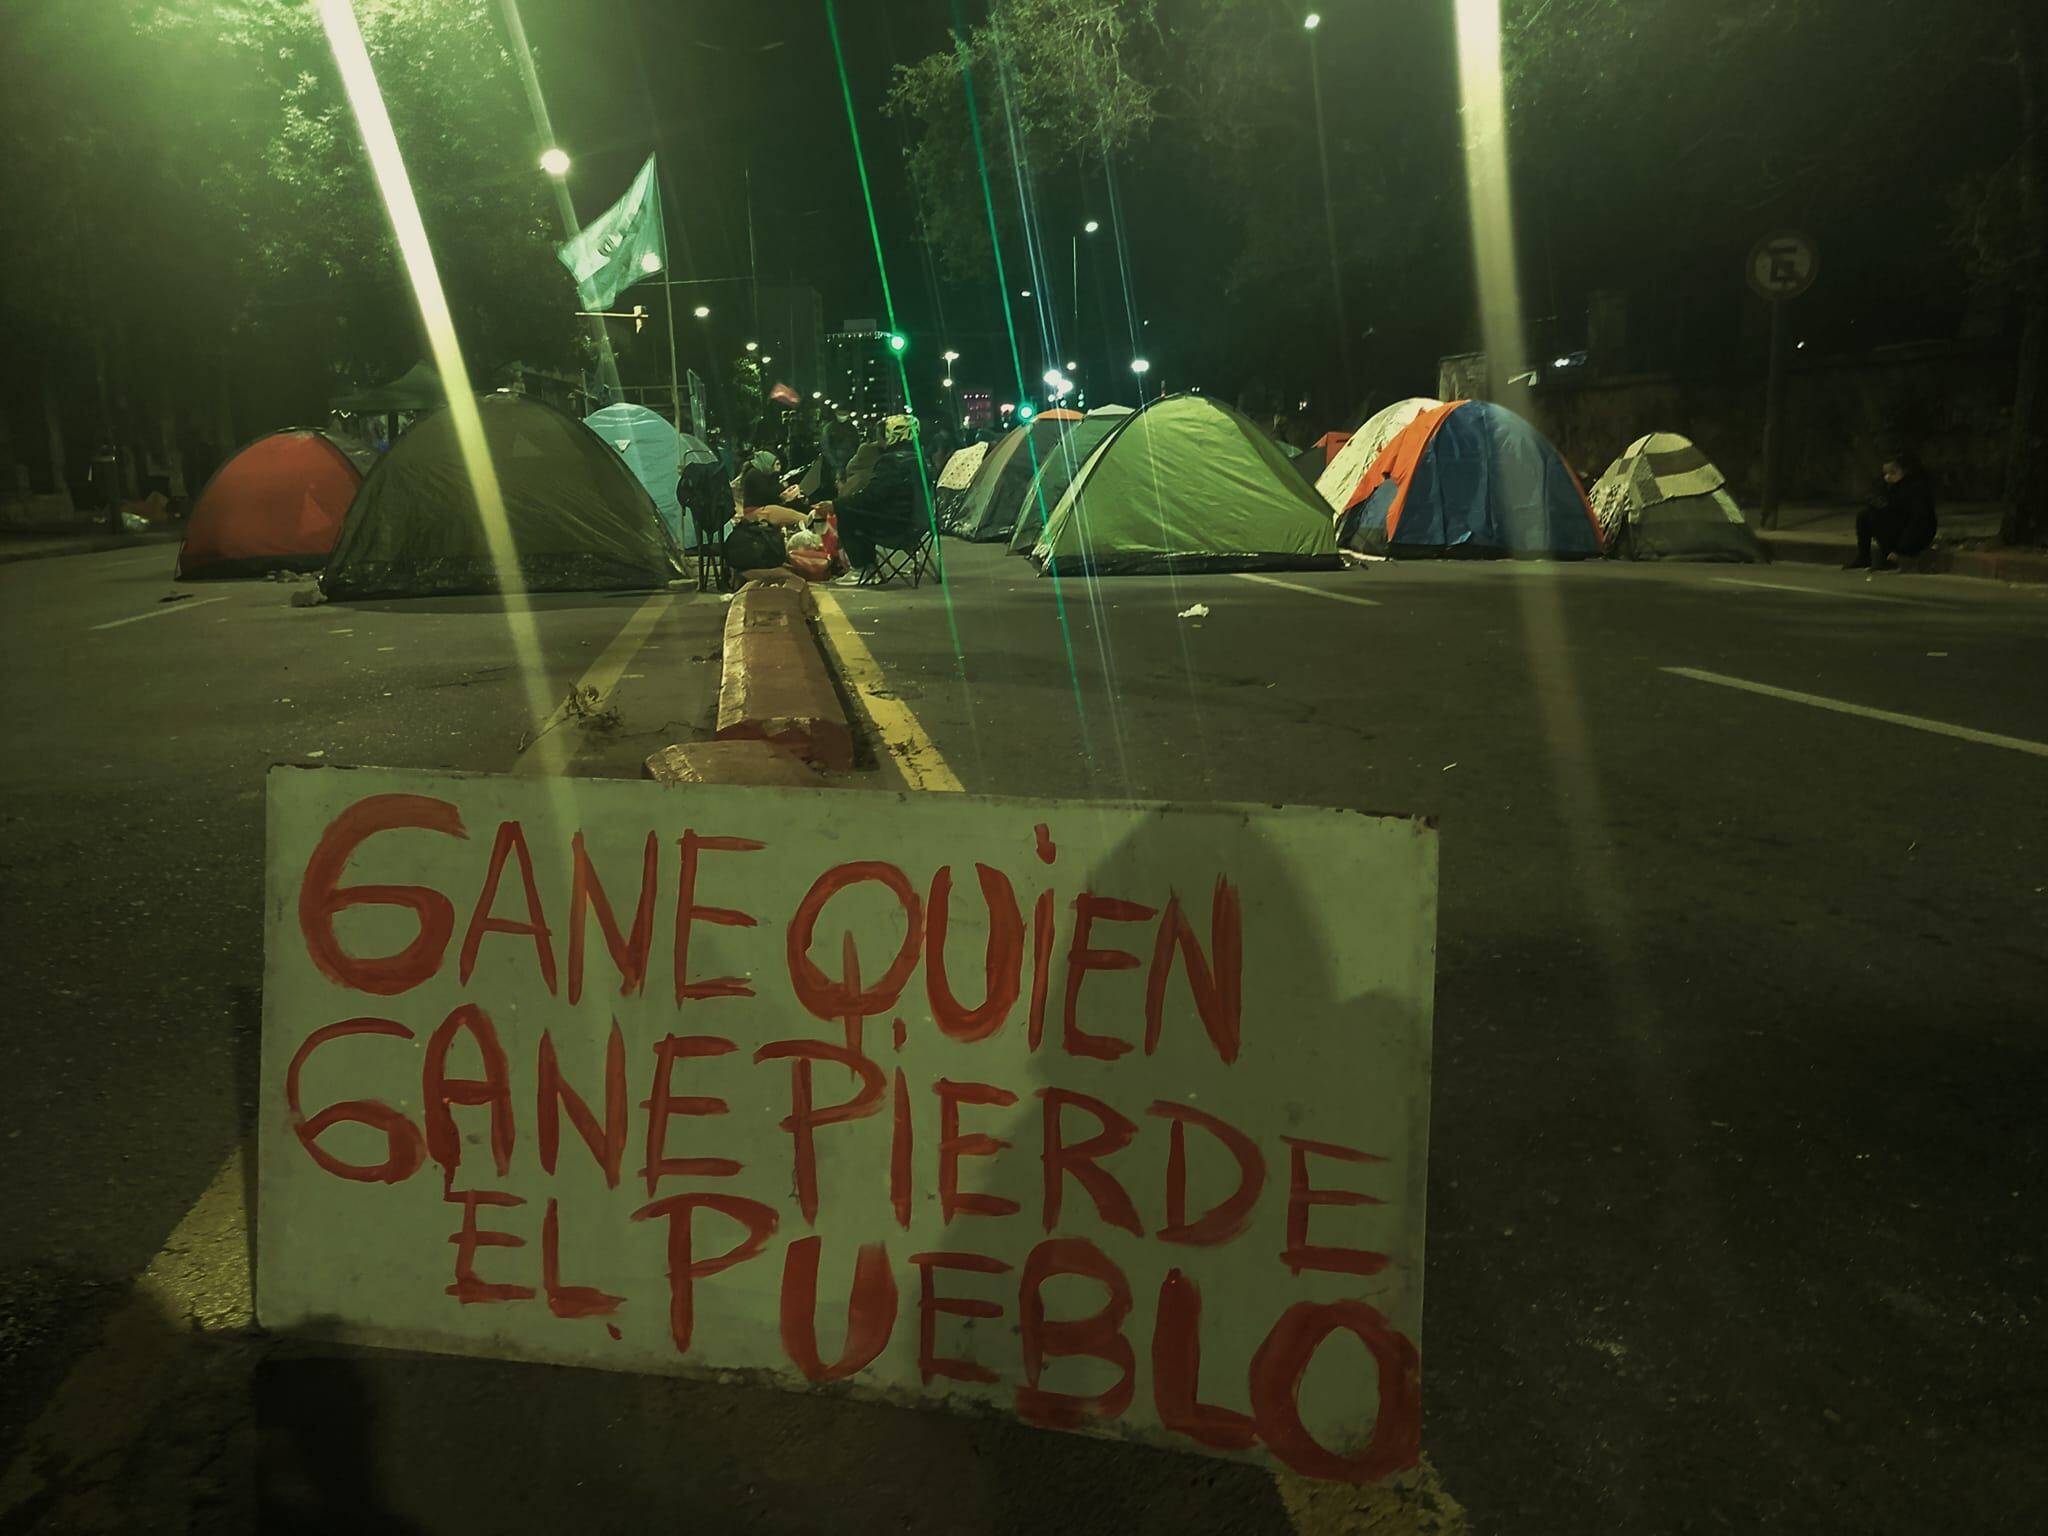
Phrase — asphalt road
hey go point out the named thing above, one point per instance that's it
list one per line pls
(1737, 1200)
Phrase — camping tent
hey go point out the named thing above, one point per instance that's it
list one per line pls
(577, 518)
(1356, 455)
(275, 506)
(989, 509)
(1316, 457)
(1058, 471)
(417, 389)
(1468, 478)
(656, 453)
(1185, 484)
(1664, 500)
(954, 479)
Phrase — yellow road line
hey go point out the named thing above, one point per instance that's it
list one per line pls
(898, 729)
(1408, 1505)
(200, 1281)
(551, 748)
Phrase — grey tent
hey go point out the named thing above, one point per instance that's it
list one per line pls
(577, 518)
(417, 389)
(1062, 464)
(1664, 500)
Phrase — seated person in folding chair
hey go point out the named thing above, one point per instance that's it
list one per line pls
(887, 513)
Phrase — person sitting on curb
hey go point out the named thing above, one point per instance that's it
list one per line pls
(1899, 520)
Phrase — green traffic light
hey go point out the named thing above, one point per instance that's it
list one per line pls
(1025, 413)
(898, 341)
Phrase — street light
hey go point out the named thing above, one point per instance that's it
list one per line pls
(554, 161)
(817, 394)
(649, 262)
(1311, 21)
(766, 359)
(1090, 227)
(1052, 377)
(703, 311)
(753, 346)
(1140, 365)
(1073, 367)
(1023, 293)
(898, 342)
(951, 357)
(947, 382)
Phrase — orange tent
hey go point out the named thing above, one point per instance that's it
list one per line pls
(1059, 413)
(275, 506)
(1328, 444)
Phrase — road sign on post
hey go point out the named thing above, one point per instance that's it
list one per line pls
(1781, 267)
(1111, 1116)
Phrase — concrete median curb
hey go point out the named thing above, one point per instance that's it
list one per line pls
(2018, 565)
(775, 685)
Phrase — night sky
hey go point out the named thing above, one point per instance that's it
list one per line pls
(747, 94)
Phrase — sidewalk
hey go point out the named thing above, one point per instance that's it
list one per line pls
(40, 546)
(1968, 544)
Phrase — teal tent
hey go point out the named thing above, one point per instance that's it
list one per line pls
(653, 450)
(1058, 471)
(577, 517)
(1186, 484)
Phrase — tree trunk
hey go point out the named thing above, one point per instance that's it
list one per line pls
(2026, 473)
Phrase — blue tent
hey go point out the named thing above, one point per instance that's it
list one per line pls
(655, 452)
(1469, 478)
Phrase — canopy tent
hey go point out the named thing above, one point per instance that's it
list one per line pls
(1357, 454)
(1185, 484)
(417, 389)
(989, 509)
(277, 505)
(1664, 500)
(577, 518)
(1058, 471)
(653, 450)
(954, 479)
(1469, 478)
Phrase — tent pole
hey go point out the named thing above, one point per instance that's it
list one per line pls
(675, 387)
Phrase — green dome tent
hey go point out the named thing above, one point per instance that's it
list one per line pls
(1186, 484)
(578, 519)
(1058, 471)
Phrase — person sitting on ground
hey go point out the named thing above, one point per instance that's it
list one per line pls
(1899, 520)
(888, 507)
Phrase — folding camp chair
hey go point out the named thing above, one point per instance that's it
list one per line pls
(905, 551)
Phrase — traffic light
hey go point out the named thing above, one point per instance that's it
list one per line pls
(1024, 411)
(898, 342)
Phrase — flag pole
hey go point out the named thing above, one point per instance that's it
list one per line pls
(668, 294)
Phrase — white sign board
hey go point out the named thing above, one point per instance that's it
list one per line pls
(1110, 1115)
(1783, 266)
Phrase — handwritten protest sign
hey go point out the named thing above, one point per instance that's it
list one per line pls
(1111, 1115)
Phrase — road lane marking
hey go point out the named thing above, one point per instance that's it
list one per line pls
(198, 1282)
(1406, 1504)
(900, 732)
(550, 749)
(1786, 586)
(156, 613)
(1295, 586)
(1865, 712)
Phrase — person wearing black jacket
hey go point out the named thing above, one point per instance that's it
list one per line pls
(1900, 520)
(889, 507)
